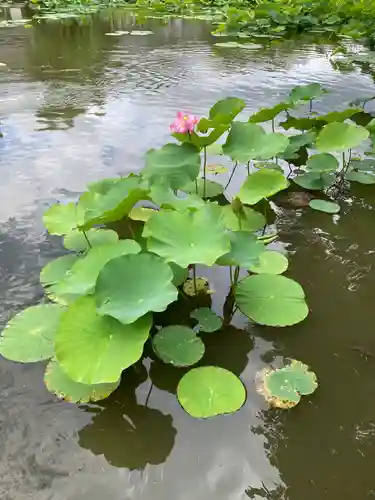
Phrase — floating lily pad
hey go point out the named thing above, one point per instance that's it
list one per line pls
(29, 336)
(283, 388)
(262, 184)
(208, 321)
(271, 300)
(245, 250)
(227, 45)
(141, 33)
(61, 219)
(338, 136)
(53, 274)
(314, 180)
(178, 345)
(323, 162)
(212, 190)
(248, 220)
(182, 236)
(328, 207)
(94, 349)
(209, 391)
(172, 165)
(132, 285)
(76, 240)
(58, 382)
(270, 262)
(361, 177)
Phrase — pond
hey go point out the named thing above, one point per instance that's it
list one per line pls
(78, 105)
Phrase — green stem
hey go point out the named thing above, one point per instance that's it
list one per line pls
(273, 124)
(86, 238)
(232, 174)
(236, 275)
(248, 167)
(310, 107)
(196, 186)
(231, 275)
(204, 171)
(195, 279)
(233, 313)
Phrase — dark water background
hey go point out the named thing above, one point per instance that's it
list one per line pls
(77, 105)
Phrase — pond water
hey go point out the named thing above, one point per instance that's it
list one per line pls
(77, 105)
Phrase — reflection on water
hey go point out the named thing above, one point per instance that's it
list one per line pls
(77, 105)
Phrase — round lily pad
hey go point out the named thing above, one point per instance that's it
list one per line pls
(94, 349)
(208, 321)
(270, 262)
(61, 219)
(283, 388)
(132, 285)
(262, 184)
(328, 207)
(182, 236)
(53, 274)
(178, 345)
(29, 336)
(337, 136)
(323, 162)
(271, 300)
(245, 250)
(58, 382)
(209, 391)
(361, 177)
(76, 240)
(314, 180)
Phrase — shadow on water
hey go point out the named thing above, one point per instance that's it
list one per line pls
(78, 105)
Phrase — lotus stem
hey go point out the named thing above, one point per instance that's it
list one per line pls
(149, 393)
(86, 238)
(248, 167)
(196, 186)
(236, 274)
(204, 171)
(195, 279)
(231, 275)
(232, 174)
(235, 309)
(310, 107)
(273, 124)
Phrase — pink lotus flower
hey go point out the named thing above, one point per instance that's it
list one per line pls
(184, 123)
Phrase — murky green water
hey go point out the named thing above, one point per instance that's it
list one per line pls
(77, 105)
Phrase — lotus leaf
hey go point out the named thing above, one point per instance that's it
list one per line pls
(262, 184)
(182, 236)
(94, 349)
(172, 165)
(178, 345)
(208, 321)
(76, 240)
(361, 177)
(338, 136)
(141, 213)
(132, 285)
(326, 206)
(61, 219)
(58, 382)
(209, 391)
(266, 114)
(271, 300)
(224, 111)
(29, 336)
(306, 92)
(322, 162)
(53, 275)
(245, 250)
(270, 262)
(314, 180)
(166, 198)
(212, 189)
(248, 220)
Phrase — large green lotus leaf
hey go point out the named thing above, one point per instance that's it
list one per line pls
(296, 142)
(306, 92)
(323, 162)
(270, 262)
(178, 345)
(248, 220)
(211, 190)
(208, 321)
(61, 219)
(328, 207)
(245, 250)
(338, 136)
(29, 336)
(180, 274)
(284, 387)
(340, 116)
(172, 165)
(53, 274)
(224, 111)
(95, 349)
(187, 237)
(112, 200)
(76, 240)
(209, 391)
(361, 177)
(248, 141)
(133, 285)
(271, 300)
(314, 180)
(166, 198)
(58, 382)
(302, 123)
(367, 165)
(262, 184)
(266, 114)
(141, 213)
(82, 276)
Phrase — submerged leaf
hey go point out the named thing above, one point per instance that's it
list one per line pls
(178, 345)
(133, 285)
(29, 336)
(270, 262)
(61, 219)
(262, 184)
(283, 388)
(209, 391)
(208, 321)
(94, 349)
(58, 382)
(271, 300)
(182, 236)
(328, 207)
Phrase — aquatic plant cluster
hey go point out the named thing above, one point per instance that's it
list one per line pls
(136, 243)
